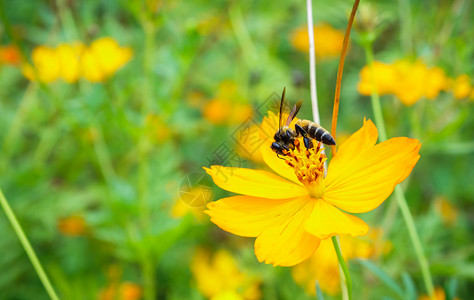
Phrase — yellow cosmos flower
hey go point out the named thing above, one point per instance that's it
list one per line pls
(290, 214)
(227, 108)
(327, 40)
(461, 86)
(219, 277)
(68, 57)
(46, 65)
(72, 61)
(103, 58)
(402, 79)
(323, 266)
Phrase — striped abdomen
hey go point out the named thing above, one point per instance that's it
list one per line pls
(317, 132)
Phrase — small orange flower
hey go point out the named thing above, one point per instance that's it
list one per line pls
(438, 295)
(10, 55)
(72, 226)
(290, 214)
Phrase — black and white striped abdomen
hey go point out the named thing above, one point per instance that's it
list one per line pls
(317, 132)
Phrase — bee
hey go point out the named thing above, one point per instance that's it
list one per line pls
(285, 136)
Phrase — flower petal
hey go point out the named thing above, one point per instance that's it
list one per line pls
(278, 165)
(357, 143)
(287, 243)
(364, 183)
(326, 220)
(249, 216)
(255, 183)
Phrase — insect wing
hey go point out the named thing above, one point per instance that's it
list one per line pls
(294, 112)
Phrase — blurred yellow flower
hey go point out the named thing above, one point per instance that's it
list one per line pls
(68, 57)
(461, 86)
(192, 201)
(219, 277)
(103, 58)
(438, 295)
(446, 210)
(408, 81)
(72, 226)
(227, 108)
(72, 61)
(46, 64)
(323, 266)
(291, 217)
(328, 40)
(9, 55)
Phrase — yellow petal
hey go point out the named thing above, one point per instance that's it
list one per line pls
(326, 220)
(249, 216)
(354, 146)
(278, 165)
(287, 243)
(365, 182)
(255, 183)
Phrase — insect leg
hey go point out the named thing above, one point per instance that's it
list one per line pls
(307, 140)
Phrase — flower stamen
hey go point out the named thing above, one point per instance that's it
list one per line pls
(309, 166)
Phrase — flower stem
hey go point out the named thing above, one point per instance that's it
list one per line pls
(343, 266)
(312, 62)
(27, 246)
(399, 195)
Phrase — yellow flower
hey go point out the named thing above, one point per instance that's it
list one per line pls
(46, 65)
(218, 277)
(438, 295)
(461, 86)
(103, 58)
(328, 40)
(192, 201)
(323, 266)
(227, 108)
(71, 61)
(72, 226)
(68, 58)
(248, 143)
(10, 55)
(409, 81)
(290, 214)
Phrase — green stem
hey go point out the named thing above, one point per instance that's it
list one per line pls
(343, 266)
(27, 246)
(399, 195)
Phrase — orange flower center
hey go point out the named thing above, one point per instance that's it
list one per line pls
(309, 166)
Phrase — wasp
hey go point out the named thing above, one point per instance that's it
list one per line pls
(285, 136)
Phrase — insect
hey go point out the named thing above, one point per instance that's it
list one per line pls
(285, 136)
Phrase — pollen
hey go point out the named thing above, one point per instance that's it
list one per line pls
(309, 166)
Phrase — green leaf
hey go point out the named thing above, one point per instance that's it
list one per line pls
(384, 277)
(410, 288)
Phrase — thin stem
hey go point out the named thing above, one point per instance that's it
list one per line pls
(337, 94)
(343, 266)
(399, 195)
(312, 63)
(376, 106)
(27, 246)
